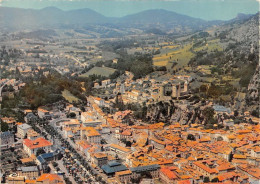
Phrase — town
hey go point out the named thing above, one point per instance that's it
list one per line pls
(115, 104)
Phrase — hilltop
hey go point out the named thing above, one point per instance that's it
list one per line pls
(18, 18)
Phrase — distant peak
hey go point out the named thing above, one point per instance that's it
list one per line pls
(242, 15)
(51, 8)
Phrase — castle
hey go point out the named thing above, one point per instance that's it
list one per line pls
(172, 90)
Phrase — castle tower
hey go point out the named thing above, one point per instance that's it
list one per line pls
(161, 92)
(179, 90)
(122, 89)
(174, 91)
(186, 85)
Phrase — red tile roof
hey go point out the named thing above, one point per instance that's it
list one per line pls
(37, 143)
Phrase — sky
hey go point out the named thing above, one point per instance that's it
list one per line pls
(204, 9)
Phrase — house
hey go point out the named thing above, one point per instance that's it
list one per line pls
(205, 167)
(255, 152)
(115, 61)
(30, 117)
(87, 116)
(126, 134)
(168, 175)
(32, 146)
(75, 110)
(105, 82)
(43, 113)
(221, 109)
(119, 149)
(22, 130)
(32, 135)
(105, 129)
(10, 121)
(83, 145)
(99, 159)
(71, 124)
(70, 132)
(91, 134)
(99, 101)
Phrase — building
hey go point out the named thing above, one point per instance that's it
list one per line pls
(99, 159)
(10, 121)
(49, 179)
(29, 172)
(87, 116)
(43, 113)
(15, 179)
(168, 176)
(22, 130)
(91, 135)
(30, 117)
(32, 146)
(154, 170)
(115, 61)
(32, 135)
(124, 176)
(112, 167)
(99, 101)
(7, 139)
(105, 82)
(119, 149)
(73, 123)
(205, 168)
(91, 123)
(46, 157)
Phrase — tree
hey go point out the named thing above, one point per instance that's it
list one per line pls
(206, 179)
(128, 144)
(235, 113)
(4, 126)
(54, 164)
(40, 151)
(215, 180)
(72, 115)
(191, 137)
(220, 138)
(208, 113)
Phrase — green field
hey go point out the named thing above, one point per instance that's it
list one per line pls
(68, 96)
(210, 46)
(182, 56)
(103, 71)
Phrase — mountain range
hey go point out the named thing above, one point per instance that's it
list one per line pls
(51, 17)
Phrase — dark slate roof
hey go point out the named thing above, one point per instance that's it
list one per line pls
(114, 168)
(145, 168)
(24, 126)
(113, 163)
(28, 169)
(44, 156)
(5, 134)
(220, 108)
(48, 155)
(30, 115)
(41, 160)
